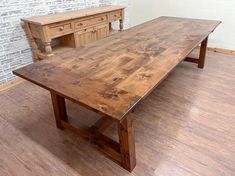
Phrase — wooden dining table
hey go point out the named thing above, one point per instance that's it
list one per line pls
(111, 76)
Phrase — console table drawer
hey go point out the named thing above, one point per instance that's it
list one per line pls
(60, 29)
(115, 15)
(91, 21)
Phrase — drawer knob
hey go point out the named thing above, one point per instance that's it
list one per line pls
(102, 18)
(61, 28)
(80, 24)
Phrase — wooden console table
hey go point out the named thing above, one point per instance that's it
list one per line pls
(113, 75)
(72, 29)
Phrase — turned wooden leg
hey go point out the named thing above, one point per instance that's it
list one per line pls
(48, 48)
(127, 143)
(202, 56)
(59, 107)
(121, 24)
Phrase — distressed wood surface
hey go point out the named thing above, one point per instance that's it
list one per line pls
(112, 75)
(185, 127)
(54, 18)
(127, 143)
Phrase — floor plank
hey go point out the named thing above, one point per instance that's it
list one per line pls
(187, 129)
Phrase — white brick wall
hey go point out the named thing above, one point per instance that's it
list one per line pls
(14, 47)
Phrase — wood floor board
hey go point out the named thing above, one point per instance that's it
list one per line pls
(187, 129)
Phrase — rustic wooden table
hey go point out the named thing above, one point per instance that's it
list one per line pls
(112, 75)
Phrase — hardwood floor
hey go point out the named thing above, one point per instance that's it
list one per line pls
(188, 129)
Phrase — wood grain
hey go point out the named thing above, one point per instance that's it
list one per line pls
(112, 75)
(202, 54)
(127, 142)
(59, 109)
(183, 128)
(54, 18)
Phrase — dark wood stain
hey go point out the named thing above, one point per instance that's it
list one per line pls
(133, 61)
(90, 82)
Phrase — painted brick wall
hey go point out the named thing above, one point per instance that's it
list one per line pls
(14, 47)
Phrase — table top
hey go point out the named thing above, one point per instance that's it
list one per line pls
(64, 16)
(112, 75)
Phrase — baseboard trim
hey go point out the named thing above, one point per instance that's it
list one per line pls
(10, 84)
(221, 50)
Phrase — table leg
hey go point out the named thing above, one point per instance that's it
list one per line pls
(59, 107)
(110, 27)
(127, 143)
(123, 152)
(121, 24)
(48, 48)
(32, 41)
(202, 56)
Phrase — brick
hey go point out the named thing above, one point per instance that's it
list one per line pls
(2, 81)
(2, 57)
(15, 12)
(3, 14)
(6, 61)
(5, 24)
(13, 77)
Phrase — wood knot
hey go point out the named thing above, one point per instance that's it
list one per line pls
(75, 67)
(117, 79)
(114, 94)
(77, 82)
(102, 107)
(144, 76)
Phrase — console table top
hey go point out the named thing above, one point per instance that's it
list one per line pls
(64, 16)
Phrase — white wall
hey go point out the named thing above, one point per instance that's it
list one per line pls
(224, 10)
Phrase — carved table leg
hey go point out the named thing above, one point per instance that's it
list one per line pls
(59, 107)
(127, 143)
(202, 56)
(48, 48)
